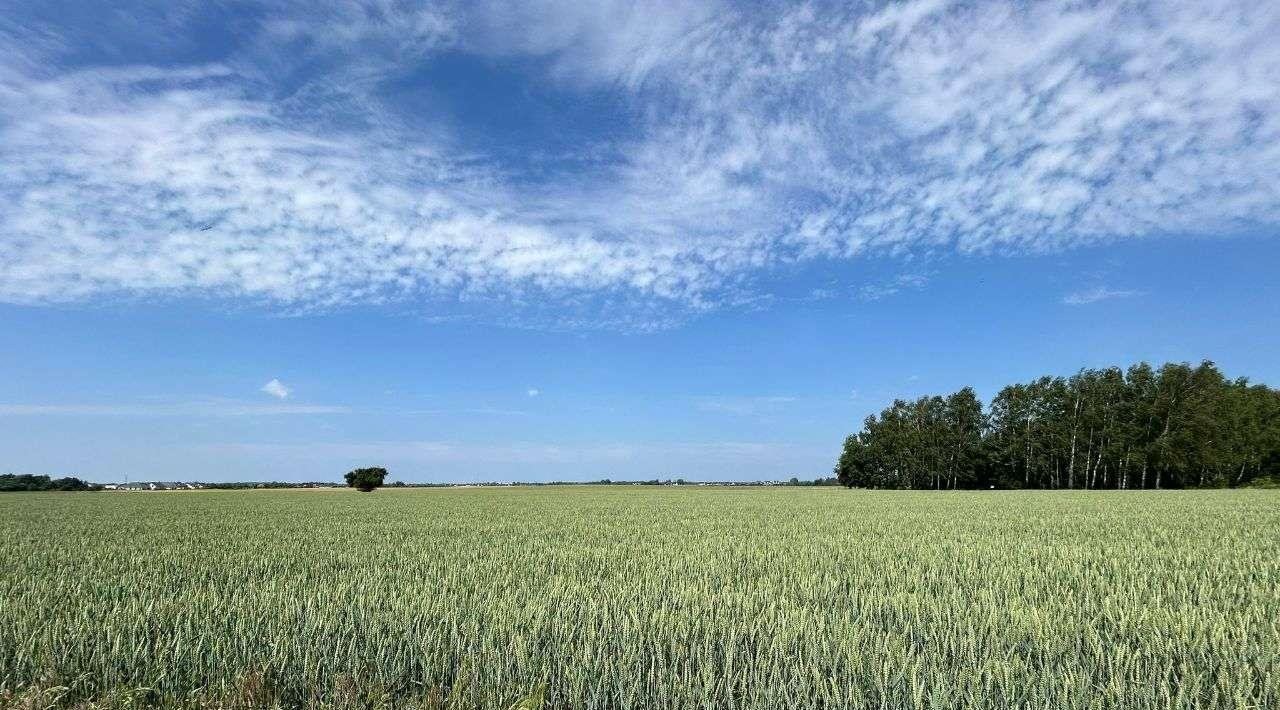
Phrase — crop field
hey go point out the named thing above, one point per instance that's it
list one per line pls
(641, 597)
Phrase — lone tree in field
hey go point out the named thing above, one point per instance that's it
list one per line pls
(366, 479)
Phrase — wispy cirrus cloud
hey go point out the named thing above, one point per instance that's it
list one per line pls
(209, 408)
(820, 130)
(466, 411)
(884, 289)
(1097, 293)
(462, 460)
(742, 405)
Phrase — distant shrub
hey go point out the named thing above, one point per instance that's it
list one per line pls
(366, 479)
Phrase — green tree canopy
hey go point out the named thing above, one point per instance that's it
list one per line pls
(366, 479)
(10, 482)
(1176, 426)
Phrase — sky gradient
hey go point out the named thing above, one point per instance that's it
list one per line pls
(483, 241)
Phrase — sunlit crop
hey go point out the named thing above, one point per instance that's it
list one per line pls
(643, 597)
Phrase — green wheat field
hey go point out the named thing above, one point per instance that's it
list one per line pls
(641, 597)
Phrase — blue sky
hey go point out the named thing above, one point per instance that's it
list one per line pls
(488, 241)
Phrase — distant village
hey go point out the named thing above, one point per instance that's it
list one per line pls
(180, 485)
(153, 486)
(28, 482)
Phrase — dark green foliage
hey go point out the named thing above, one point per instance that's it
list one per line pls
(366, 479)
(1175, 427)
(10, 482)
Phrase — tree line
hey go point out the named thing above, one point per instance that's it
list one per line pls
(14, 482)
(1177, 426)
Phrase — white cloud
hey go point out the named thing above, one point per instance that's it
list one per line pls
(276, 389)
(884, 289)
(532, 392)
(1095, 294)
(762, 138)
(610, 41)
(196, 189)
